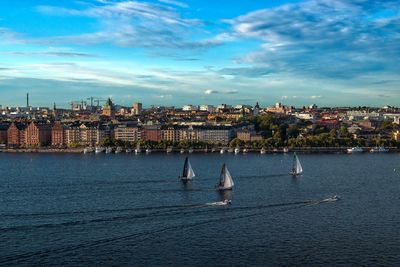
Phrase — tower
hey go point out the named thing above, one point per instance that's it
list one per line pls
(108, 109)
(27, 100)
(137, 109)
(256, 110)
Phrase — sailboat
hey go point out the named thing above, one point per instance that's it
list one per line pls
(225, 179)
(188, 173)
(297, 169)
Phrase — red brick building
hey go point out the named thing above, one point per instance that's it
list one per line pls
(58, 135)
(152, 133)
(16, 134)
(3, 132)
(38, 134)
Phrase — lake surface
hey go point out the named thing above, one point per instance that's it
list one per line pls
(79, 210)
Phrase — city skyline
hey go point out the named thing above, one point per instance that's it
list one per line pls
(167, 52)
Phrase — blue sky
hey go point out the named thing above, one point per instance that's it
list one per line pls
(175, 52)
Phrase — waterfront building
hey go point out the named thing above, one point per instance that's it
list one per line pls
(152, 133)
(104, 131)
(126, 132)
(38, 134)
(248, 135)
(58, 135)
(72, 135)
(214, 134)
(3, 132)
(16, 134)
(173, 133)
(88, 134)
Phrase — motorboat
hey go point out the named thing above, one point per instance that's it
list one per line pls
(99, 150)
(379, 150)
(87, 150)
(355, 150)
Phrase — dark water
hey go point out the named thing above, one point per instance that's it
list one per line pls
(132, 210)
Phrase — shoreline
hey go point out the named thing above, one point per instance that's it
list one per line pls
(313, 150)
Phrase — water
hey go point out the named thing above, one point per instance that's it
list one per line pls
(132, 210)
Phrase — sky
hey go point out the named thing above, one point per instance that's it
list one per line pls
(176, 52)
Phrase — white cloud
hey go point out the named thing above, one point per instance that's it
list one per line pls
(175, 3)
(136, 24)
(209, 92)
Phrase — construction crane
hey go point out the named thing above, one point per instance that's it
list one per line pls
(91, 100)
(95, 100)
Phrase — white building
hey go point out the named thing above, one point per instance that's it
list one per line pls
(209, 108)
(190, 108)
(304, 116)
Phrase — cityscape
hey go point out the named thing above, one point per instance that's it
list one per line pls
(199, 133)
(98, 122)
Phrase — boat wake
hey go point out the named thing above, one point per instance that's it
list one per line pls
(219, 203)
(177, 210)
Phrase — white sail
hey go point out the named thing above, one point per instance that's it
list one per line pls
(225, 180)
(190, 172)
(228, 181)
(297, 168)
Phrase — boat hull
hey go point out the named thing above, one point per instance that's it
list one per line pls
(220, 188)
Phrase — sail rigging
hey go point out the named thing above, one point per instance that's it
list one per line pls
(297, 169)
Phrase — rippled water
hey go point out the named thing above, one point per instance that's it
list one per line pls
(132, 210)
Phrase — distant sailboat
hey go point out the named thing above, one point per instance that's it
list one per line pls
(188, 173)
(297, 169)
(138, 150)
(225, 179)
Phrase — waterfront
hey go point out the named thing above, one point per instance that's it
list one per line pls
(125, 209)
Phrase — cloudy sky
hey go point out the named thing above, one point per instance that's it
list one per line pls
(175, 52)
